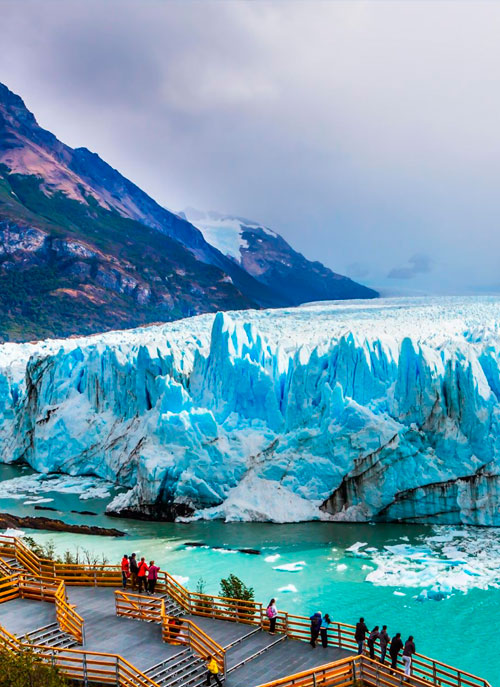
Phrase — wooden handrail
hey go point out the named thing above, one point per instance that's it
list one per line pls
(197, 640)
(89, 666)
(329, 674)
(68, 619)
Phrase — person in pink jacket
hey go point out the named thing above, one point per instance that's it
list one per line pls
(152, 576)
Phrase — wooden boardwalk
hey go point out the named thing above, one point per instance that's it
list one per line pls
(78, 617)
(141, 643)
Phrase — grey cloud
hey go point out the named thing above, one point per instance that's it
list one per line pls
(418, 264)
(334, 123)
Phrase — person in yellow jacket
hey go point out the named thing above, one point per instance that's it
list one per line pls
(213, 670)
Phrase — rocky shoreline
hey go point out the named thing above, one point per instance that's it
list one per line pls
(42, 523)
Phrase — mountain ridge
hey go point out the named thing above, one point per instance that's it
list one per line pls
(84, 249)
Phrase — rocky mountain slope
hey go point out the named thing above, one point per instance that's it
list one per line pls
(83, 249)
(271, 260)
(384, 411)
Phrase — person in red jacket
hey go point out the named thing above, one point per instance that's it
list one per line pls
(125, 570)
(142, 576)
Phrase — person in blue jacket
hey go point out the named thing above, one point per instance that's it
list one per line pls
(325, 622)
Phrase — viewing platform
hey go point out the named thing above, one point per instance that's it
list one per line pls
(79, 618)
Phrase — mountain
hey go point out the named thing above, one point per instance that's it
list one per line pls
(267, 257)
(386, 411)
(83, 249)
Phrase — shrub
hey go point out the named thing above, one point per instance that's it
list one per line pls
(79, 556)
(25, 670)
(233, 588)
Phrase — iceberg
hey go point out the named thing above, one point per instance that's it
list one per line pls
(382, 410)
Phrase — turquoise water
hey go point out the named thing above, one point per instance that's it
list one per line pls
(460, 630)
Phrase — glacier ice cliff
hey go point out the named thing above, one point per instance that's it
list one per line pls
(387, 410)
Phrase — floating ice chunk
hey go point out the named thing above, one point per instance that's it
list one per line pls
(181, 579)
(36, 501)
(291, 567)
(273, 558)
(354, 549)
(341, 567)
(288, 588)
(396, 593)
(222, 550)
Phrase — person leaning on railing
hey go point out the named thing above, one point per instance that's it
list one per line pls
(394, 649)
(360, 634)
(408, 652)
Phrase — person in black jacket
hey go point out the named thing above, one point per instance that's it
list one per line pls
(374, 635)
(315, 628)
(134, 569)
(395, 648)
(360, 634)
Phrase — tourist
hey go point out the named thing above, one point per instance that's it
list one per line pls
(141, 575)
(133, 571)
(325, 622)
(408, 651)
(384, 640)
(315, 628)
(212, 670)
(394, 649)
(272, 614)
(360, 634)
(153, 571)
(374, 634)
(125, 570)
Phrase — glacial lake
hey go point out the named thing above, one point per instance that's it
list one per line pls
(382, 572)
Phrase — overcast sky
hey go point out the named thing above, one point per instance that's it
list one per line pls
(366, 133)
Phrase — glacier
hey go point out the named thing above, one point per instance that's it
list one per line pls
(383, 410)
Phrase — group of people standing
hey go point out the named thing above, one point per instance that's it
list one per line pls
(395, 644)
(143, 577)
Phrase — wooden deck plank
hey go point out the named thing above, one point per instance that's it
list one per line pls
(139, 642)
(286, 658)
(20, 616)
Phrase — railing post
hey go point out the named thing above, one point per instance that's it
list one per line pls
(85, 673)
(117, 671)
(339, 634)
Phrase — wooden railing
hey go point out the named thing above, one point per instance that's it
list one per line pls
(85, 666)
(339, 674)
(139, 607)
(176, 631)
(68, 619)
(183, 631)
(205, 605)
(9, 587)
(9, 641)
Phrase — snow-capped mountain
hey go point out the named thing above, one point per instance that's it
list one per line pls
(267, 257)
(83, 249)
(385, 410)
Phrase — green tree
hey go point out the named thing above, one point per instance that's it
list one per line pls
(233, 588)
(26, 670)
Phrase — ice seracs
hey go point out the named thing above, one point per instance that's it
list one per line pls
(355, 410)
